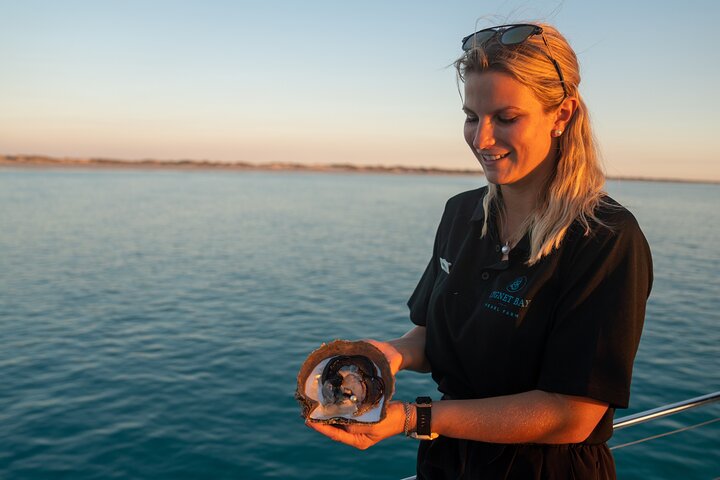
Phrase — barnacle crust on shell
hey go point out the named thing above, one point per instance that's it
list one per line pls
(345, 382)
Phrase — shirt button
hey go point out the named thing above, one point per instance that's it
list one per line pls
(497, 248)
(485, 275)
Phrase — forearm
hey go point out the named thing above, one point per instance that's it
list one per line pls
(529, 417)
(411, 347)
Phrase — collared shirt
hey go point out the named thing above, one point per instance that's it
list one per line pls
(568, 324)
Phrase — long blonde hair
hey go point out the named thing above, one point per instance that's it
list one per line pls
(575, 189)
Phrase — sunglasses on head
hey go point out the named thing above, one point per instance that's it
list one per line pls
(509, 35)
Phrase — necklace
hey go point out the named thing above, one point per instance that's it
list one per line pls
(510, 240)
(509, 244)
(506, 248)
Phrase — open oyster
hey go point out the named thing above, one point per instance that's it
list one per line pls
(345, 382)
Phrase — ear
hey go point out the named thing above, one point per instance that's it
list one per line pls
(564, 113)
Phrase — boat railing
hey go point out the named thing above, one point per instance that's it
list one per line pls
(655, 413)
(671, 409)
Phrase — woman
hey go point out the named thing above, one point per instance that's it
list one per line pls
(530, 311)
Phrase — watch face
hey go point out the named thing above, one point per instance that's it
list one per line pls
(423, 400)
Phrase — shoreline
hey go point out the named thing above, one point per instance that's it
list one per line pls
(40, 162)
(33, 162)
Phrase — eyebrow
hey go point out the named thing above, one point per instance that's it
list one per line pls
(466, 109)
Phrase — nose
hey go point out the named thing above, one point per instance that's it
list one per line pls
(484, 135)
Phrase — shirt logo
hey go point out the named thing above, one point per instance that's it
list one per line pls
(445, 265)
(509, 302)
(517, 285)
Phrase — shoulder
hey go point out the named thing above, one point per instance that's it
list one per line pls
(615, 238)
(463, 205)
(459, 211)
(612, 213)
(612, 222)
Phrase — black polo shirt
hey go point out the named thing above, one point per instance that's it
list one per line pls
(569, 324)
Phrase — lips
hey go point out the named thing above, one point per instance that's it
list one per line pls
(494, 158)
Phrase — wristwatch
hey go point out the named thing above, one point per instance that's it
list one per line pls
(423, 408)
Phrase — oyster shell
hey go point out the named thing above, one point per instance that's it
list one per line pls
(345, 382)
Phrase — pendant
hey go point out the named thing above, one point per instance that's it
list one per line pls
(505, 248)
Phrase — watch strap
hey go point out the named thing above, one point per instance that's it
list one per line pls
(423, 406)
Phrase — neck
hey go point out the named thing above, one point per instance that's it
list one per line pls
(520, 200)
(519, 204)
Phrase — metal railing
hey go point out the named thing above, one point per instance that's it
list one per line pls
(671, 409)
(659, 412)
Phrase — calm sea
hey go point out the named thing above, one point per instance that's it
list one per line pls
(152, 322)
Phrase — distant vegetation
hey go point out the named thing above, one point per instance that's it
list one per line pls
(45, 161)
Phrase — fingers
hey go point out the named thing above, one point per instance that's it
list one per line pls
(331, 431)
(375, 343)
(340, 433)
(394, 357)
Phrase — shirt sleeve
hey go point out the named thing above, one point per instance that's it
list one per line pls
(420, 299)
(598, 319)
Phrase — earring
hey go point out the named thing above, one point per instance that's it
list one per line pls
(556, 133)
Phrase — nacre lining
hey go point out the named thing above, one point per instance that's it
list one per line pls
(365, 408)
(313, 389)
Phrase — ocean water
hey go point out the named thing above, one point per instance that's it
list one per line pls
(152, 323)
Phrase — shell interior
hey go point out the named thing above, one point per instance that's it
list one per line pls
(354, 388)
(326, 410)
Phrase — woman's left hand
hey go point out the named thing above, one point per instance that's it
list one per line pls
(363, 436)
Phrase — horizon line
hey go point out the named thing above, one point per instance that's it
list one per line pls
(39, 161)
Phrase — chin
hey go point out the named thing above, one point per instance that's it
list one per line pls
(489, 176)
(493, 177)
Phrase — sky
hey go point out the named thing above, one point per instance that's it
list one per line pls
(318, 82)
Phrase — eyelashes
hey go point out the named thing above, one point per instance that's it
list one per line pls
(502, 120)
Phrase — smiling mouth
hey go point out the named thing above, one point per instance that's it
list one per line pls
(493, 158)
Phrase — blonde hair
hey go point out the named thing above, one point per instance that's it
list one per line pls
(575, 189)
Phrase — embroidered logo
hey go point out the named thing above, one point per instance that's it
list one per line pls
(509, 301)
(445, 265)
(517, 285)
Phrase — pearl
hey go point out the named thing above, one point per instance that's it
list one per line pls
(505, 249)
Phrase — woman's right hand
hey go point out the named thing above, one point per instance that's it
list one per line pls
(394, 357)
(406, 352)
